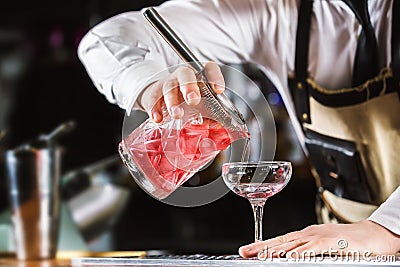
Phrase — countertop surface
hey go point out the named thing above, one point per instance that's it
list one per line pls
(64, 258)
(139, 258)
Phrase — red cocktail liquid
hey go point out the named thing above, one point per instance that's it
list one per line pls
(168, 158)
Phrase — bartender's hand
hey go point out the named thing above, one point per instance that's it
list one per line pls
(364, 237)
(179, 86)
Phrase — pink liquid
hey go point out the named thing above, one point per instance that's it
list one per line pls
(245, 185)
(257, 191)
(168, 158)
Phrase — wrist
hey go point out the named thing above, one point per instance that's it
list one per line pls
(145, 99)
(392, 239)
(138, 104)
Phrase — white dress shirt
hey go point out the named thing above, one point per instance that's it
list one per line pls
(123, 53)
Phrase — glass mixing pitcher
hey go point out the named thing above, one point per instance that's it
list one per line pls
(162, 156)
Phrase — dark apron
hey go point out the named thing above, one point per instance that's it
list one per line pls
(352, 135)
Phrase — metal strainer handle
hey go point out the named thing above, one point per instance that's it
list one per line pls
(188, 57)
(172, 39)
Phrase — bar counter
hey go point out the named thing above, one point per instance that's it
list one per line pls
(139, 258)
(63, 258)
(12, 262)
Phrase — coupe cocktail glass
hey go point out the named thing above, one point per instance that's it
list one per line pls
(257, 181)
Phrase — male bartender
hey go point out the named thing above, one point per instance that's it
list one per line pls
(336, 65)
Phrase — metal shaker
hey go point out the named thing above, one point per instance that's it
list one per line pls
(33, 181)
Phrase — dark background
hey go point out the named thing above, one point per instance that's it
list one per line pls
(42, 84)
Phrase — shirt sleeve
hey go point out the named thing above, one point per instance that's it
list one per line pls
(123, 54)
(121, 58)
(388, 214)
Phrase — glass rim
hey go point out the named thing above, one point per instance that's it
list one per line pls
(256, 163)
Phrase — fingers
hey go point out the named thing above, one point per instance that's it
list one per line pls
(281, 250)
(324, 239)
(293, 249)
(169, 93)
(180, 86)
(188, 85)
(155, 112)
(172, 98)
(252, 250)
(152, 101)
(309, 249)
(215, 77)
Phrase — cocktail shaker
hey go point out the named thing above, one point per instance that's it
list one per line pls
(33, 183)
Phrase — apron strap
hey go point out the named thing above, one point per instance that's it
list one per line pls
(396, 44)
(298, 85)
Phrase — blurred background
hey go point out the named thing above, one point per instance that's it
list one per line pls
(43, 84)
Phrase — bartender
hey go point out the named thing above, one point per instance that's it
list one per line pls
(336, 65)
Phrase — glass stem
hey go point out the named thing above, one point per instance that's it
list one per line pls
(258, 208)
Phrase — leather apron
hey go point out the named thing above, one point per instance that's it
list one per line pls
(352, 135)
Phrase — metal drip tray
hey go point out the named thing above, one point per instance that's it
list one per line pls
(226, 260)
